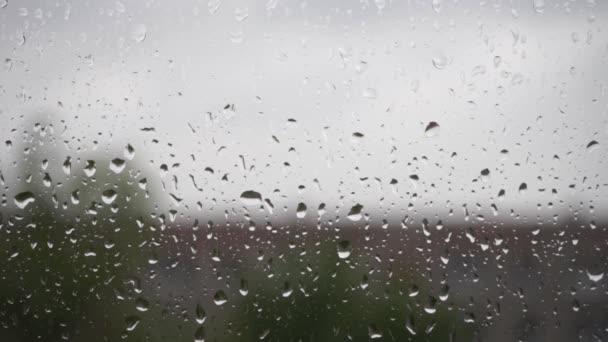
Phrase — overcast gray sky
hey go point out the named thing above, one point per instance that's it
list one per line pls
(514, 75)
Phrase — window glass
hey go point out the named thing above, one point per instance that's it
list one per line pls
(281, 170)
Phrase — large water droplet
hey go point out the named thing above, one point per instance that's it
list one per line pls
(440, 60)
(220, 298)
(201, 315)
(595, 277)
(539, 5)
(199, 334)
(139, 32)
(251, 197)
(108, 196)
(355, 212)
(344, 249)
(301, 211)
(432, 129)
(117, 165)
(23, 199)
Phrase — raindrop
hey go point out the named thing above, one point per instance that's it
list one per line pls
(595, 277)
(141, 304)
(117, 165)
(370, 93)
(592, 145)
(201, 315)
(67, 166)
(108, 196)
(251, 197)
(139, 32)
(539, 5)
(374, 332)
(410, 326)
(344, 249)
(436, 4)
(301, 211)
(220, 298)
(440, 60)
(90, 168)
(432, 129)
(214, 6)
(132, 322)
(23, 199)
(129, 152)
(355, 212)
(287, 290)
(244, 289)
(522, 188)
(199, 334)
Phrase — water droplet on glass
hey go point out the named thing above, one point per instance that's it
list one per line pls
(355, 212)
(301, 211)
(370, 93)
(251, 197)
(344, 249)
(539, 5)
(436, 4)
(141, 304)
(592, 145)
(199, 334)
(374, 332)
(117, 165)
(23, 199)
(139, 32)
(432, 129)
(129, 152)
(108, 196)
(90, 168)
(220, 298)
(132, 322)
(440, 60)
(201, 315)
(595, 277)
(244, 289)
(214, 6)
(522, 188)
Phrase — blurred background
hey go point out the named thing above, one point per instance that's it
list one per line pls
(303, 170)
